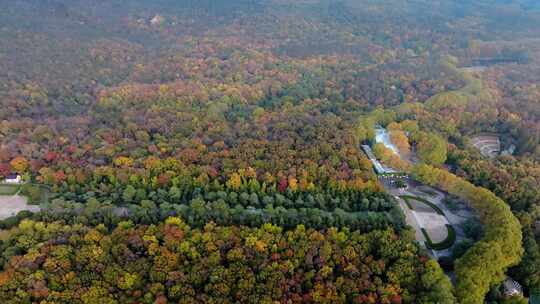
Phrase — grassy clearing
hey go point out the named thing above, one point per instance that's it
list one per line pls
(8, 189)
(406, 198)
(446, 243)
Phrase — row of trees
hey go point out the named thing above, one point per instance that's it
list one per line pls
(132, 185)
(198, 212)
(362, 205)
(516, 181)
(484, 264)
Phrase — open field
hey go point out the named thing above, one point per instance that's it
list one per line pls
(8, 189)
(11, 205)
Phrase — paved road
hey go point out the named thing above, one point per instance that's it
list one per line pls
(412, 220)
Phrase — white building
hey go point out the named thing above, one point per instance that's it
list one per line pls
(13, 179)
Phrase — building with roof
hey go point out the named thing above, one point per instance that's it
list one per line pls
(512, 288)
(13, 178)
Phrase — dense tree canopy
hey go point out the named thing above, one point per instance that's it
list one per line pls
(243, 119)
(173, 262)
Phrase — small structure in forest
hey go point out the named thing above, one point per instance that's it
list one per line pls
(512, 288)
(489, 145)
(13, 178)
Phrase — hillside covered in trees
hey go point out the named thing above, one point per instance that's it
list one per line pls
(208, 151)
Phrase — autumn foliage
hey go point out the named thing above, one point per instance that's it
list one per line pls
(172, 262)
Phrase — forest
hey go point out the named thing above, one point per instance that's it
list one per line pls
(209, 151)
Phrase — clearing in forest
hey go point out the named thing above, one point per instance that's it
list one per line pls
(10, 205)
